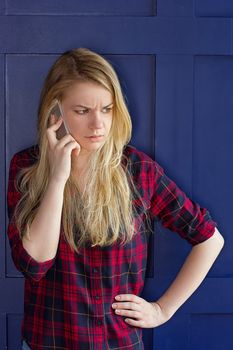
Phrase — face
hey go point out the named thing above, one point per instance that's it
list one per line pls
(88, 109)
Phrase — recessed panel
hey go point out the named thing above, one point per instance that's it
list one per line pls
(172, 335)
(14, 322)
(214, 8)
(2, 7)
(3, 331)
(211, 331)
(82, 7)
(171, 8)
(213, 144)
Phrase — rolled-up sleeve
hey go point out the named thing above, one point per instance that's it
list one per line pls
(23, 261)
(176, 211)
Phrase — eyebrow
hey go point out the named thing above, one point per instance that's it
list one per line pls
(89, 107)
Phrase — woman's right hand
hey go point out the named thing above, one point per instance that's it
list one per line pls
(60, 151)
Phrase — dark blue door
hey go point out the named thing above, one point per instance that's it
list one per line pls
(174, 60)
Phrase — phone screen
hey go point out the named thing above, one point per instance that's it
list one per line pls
(63, 129)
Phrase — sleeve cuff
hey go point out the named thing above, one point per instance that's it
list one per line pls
(30, 267)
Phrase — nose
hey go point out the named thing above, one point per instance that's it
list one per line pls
(96, 121)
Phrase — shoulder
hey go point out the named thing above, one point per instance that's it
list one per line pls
(135, 155)
(141, 161)
(25, 156)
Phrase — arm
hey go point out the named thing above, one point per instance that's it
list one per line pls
(192, 273)
(45, 229)
(31, 260)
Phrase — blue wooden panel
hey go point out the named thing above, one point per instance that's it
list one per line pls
(171, 8)
(171, 335)
(178, 86)
(2, 7)
(173, 146)
(213, 295)
(12, 290)
(3, 331)
(212, 130)
(14, 330)
(147, 337)
(214, 8)
(23, 72)
(82, 7)
(54, 34)
(137, 76)
(211, 331)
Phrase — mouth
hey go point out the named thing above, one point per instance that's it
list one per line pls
(95, 137)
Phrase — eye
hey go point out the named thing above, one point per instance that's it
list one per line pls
(81, 111)
(108, 109)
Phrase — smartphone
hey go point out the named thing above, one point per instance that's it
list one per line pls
(63, 129)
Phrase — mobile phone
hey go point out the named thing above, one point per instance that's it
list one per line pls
(63, 129)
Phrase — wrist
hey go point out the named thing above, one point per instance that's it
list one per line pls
(165, 310)
(58, 184)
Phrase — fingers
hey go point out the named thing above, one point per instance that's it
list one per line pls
(53, 127)
(71, 146)
(129, 297)
(127, 306)
(53, 120)
(67, 141)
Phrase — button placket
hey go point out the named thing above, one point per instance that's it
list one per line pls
(96, 287)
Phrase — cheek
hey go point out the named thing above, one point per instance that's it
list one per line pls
(109, 124)
(77, 126)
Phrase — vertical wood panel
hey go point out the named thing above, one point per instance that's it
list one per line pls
(3, 331)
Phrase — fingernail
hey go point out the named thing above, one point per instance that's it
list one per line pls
(118, 297)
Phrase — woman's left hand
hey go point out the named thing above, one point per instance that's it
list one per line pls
(147, 314)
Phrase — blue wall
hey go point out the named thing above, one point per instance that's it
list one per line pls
(174, 60)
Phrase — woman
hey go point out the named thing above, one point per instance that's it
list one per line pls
(80, 211)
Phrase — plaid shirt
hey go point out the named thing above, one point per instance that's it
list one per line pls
(67, 300)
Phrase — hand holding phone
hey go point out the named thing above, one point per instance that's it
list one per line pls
(57, 111)
(58, 135)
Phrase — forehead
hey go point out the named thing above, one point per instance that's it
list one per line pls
(87, 92)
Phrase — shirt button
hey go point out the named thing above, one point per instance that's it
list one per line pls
(97, 297)
(99, 322)
(95, 269)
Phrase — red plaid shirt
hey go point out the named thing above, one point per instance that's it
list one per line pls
(67, 300)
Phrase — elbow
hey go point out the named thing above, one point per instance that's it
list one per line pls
(218, 237)
(28, 266)
(216, 240)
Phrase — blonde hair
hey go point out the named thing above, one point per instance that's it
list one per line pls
(105, 212)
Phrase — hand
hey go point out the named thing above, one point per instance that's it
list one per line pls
(147, 314)
(60, 151)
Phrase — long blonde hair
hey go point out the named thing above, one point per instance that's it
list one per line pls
(105, 212)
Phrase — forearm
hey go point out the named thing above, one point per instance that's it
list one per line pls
(192, 273)
(44, 231)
